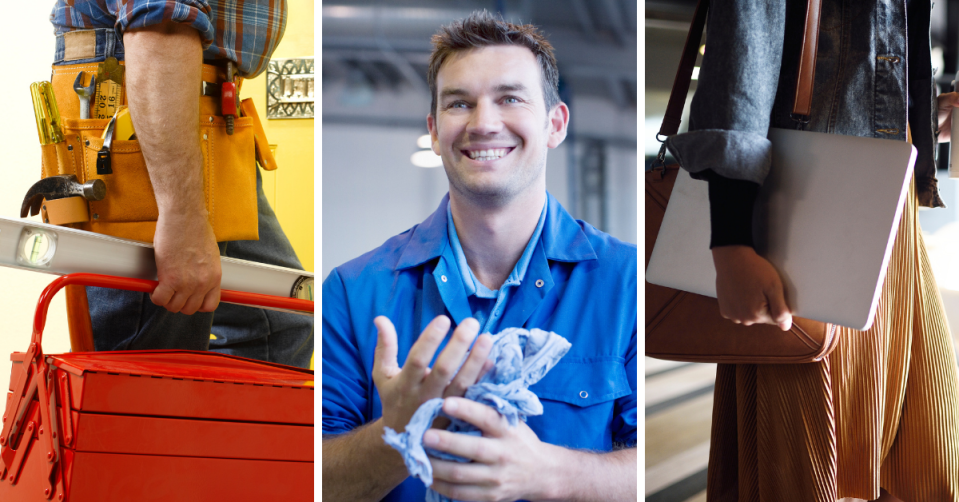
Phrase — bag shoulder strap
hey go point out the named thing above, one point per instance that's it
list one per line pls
(804, 81)
(807, 62)
(684, 74)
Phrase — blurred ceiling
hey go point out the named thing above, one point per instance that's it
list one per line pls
(667, 23)
(376, 53)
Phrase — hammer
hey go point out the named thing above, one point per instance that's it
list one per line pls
(59, 187)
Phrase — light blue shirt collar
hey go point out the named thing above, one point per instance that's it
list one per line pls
(471, 283)
(564, 238)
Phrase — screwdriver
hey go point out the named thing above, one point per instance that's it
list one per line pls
(46, 112)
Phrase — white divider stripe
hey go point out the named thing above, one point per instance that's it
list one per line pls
(676, 468)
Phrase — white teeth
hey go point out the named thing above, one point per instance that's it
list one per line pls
(484, 155)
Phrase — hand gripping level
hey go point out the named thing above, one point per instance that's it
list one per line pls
(60, 250)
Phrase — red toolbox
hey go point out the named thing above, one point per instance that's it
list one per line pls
(169, 425)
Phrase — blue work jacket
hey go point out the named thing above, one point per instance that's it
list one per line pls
(581, 283)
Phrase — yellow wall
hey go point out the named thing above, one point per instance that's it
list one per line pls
(290, 188)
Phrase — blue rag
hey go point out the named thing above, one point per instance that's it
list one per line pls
(521, 358)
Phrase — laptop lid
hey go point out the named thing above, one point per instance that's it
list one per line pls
(826, 218)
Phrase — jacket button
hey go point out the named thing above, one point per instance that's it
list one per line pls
(583, 394)
(443, 278)
(539, 283)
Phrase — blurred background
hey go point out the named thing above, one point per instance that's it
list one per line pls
(679, 395)
(380, 177)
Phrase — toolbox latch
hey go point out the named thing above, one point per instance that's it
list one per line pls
(36, 379)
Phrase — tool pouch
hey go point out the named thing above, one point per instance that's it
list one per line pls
(130, 209)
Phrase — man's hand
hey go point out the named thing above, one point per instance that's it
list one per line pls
(946, 102)
(508, 463)
(359, 465)
(163, 74)
(748, 288)
(403, 390)
(188, 264)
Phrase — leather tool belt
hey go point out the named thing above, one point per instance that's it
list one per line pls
(129, 209)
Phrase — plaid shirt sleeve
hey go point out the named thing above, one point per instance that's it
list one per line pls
(243, 31)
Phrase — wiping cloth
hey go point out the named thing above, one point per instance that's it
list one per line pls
(521, 358)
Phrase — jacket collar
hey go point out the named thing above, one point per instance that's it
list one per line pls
(563, 239)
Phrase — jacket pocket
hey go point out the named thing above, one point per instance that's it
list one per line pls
(584, 381)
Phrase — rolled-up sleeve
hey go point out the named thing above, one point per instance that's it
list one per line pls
(345, 382)
(737, 155)
(123, 15)
(730, 112)
(133, 14)
(246, 32)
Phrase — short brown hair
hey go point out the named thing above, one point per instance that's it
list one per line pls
(482, 29)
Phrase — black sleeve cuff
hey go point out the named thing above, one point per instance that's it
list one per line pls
(731, 204)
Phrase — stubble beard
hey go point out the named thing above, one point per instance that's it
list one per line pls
(496, 194)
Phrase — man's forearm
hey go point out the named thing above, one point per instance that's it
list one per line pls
(163, 75)
(359, 466)
(584, 476)
(163, 90)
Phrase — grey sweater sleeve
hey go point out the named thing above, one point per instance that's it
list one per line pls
(730, 112)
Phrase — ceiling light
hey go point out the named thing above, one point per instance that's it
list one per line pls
(702, 49)
(695, 73)
(426, 158)
(341, 11)
(424, 141)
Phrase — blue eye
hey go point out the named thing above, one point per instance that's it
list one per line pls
(511, 99)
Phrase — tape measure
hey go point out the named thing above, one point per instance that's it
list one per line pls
(110, 74)
(109, 97)
(57, 250)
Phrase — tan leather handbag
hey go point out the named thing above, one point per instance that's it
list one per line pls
(682, 326)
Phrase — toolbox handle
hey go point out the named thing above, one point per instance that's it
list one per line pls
(147, 286)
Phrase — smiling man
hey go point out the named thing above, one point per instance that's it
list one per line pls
(499, 252)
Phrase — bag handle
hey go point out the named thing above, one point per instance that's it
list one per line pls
(145, 286)
(804, 81)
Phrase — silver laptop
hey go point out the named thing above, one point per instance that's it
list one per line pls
(826, 218)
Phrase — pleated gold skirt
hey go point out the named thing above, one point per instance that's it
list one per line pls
(881, 411)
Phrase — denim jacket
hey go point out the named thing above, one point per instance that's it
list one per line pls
(873, 69)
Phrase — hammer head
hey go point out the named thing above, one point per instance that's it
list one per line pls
(58, 187)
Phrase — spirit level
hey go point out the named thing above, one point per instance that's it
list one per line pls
(57, 250)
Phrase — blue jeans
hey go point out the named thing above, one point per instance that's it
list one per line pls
(127, 320)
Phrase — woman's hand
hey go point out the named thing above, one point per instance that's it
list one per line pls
(946, 102)
(748, 288)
